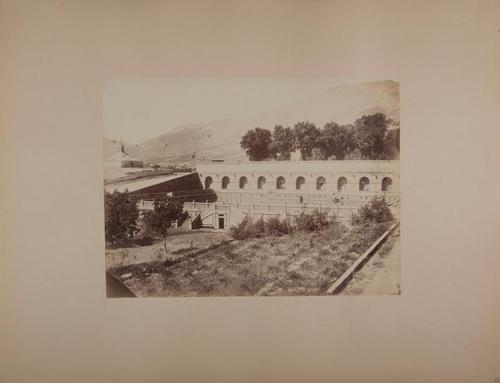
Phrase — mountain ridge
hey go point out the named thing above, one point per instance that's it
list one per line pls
(196, 142)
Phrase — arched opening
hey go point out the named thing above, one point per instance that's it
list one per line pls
(299, 183)
(320, 182)
(280, 183)
(386, 184)
(225, 182)
(261, 182)
(363, 183)
(208, 182)
(243, 182)
(341, 183)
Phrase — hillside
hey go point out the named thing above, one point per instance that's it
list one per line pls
(110, 146)
(220, 139)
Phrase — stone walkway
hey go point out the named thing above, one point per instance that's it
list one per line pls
(381, 275)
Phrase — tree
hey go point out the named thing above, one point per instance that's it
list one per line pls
(306, 135)
(163, 215)
(120, 217)
(391, 145)
(283, 143)
(257, 144)
(370, 132)
(337, 140)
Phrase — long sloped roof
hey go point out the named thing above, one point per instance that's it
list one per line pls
(141, 183)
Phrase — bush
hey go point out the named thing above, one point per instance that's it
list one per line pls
(377, 211)
(315, 221)
(274, 226)
(259, 229)
(277, 227)
(244, 229)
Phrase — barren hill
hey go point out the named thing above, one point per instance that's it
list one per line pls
(220, 139)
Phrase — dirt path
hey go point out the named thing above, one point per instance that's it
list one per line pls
(381, 274)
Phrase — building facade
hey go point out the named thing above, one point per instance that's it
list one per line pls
(283, 188)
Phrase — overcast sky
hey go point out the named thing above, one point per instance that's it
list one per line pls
(141, 109)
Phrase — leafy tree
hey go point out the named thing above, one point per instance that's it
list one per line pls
(163, 215)
(370, 133)
(257, 144)
(306, 135)
(283, 143)
(337, 140)
(391, 144)
(120, 214)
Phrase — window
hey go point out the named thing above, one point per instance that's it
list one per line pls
(320, 182)
(341, 183)
(261, 182)
(386, 184)
(299, 183)
(280, 183)
(363, 184)
(225, 182)
(208, 182)
(243, 182)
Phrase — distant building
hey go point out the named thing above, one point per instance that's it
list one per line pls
(122, 159)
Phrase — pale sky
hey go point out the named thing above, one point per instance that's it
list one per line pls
(140, 109)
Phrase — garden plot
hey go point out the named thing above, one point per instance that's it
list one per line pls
(301, 263)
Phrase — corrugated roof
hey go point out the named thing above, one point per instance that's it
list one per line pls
(142, 183)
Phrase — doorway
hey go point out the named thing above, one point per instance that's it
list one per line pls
(221, 221)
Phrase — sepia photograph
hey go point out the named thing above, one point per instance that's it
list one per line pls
(251, 187)
(239, 165)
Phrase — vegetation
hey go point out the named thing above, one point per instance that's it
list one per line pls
(370, 133)
(377, 211)
(337, 140)
(306, 138)
(120, 216)
(300, 263)
(257, 144)
(283, 143)
(163, 215)
(368, 138)
(305, 222)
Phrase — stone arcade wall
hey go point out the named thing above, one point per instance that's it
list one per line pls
(289, 187)
(313, 177)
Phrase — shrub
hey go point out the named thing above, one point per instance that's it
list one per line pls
(243, 230)
(377, 211)
(274, 226)
(259, 229)
(315, 221)
(286, 226)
